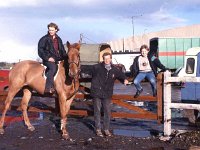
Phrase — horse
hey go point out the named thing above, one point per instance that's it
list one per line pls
(27, 75)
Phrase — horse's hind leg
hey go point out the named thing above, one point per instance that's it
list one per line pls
(12, 92)
(24, 105)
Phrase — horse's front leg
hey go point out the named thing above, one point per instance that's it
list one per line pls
(64, 109)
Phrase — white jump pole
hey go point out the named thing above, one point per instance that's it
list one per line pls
(167, 103)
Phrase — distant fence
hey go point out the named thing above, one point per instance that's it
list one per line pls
(168, 105)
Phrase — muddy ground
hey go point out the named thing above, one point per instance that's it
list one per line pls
(128, 134)
(47, 136)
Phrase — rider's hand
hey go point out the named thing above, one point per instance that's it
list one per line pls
(51, 59)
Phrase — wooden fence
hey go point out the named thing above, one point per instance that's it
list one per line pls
(168, 105)
(117, 99)
(133, 111)
(121, 100)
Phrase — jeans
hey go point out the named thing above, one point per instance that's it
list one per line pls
(51, 71)
(98, 103)
(150, 76)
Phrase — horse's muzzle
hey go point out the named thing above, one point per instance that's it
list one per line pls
(73, 74)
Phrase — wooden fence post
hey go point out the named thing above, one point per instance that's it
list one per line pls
(167, 102)
(160, 97)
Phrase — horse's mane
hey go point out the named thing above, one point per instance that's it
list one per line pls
(66, 65)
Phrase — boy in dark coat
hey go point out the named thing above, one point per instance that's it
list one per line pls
(145, 66)
(103, 77)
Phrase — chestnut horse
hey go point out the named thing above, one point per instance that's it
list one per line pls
(27, 75)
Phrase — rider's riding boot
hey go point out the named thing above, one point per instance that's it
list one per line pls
(49, 91)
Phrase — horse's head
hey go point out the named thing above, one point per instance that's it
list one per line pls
(73, 59)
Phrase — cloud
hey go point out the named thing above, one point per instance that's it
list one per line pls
(23, 22)
(17, 3)
(163, 16)
(12, 51)
(38, 3)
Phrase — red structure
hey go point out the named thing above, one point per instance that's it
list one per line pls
(4, 79)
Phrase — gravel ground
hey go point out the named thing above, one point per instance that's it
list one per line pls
(129, 134)
(47, 136)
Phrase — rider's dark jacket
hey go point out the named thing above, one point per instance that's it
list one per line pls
(103, 80)
(47, 50)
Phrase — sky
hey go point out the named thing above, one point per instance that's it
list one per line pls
(24, 22)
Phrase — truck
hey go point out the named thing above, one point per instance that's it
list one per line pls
(91, 54)
(4, 79)
(171, 50)
(190, 90)
(125, 58)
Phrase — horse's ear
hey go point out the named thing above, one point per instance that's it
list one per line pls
(78, 46)
(68, 44)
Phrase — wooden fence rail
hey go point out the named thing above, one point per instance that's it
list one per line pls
(136, 111)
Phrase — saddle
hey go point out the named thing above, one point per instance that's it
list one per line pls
(45, 71)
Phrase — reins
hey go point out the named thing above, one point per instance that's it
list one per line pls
(75, 91)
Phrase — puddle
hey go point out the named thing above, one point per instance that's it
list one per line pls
(135, 133)
(17, 117)
(158, 148)
(41, 116)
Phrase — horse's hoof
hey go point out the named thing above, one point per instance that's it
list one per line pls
(31, 128)
(1, 131)
(65, 136)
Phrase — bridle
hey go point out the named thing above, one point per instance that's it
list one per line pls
(75, 78)
(77, 65)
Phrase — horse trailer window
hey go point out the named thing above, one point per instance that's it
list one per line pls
(190, 66)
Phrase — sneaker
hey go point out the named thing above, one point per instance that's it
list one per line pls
(154, 94)
(99, 133)
(107, 133)
(138, 93)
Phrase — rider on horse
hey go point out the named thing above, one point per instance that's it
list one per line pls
(51, 50)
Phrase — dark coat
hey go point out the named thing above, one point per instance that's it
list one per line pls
(153, 61)
(46, 49)
(103, 80)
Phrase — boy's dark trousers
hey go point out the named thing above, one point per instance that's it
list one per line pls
(106, 105)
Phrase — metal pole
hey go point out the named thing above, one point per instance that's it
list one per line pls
(133, 25)
(81, 37)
